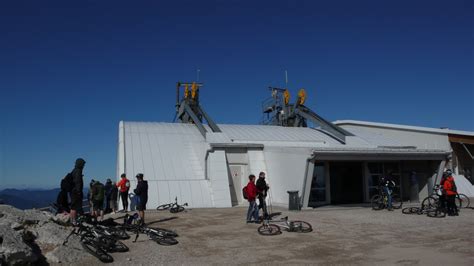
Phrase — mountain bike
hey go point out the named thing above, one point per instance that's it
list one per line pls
(95, 242)
(380, 200)
(435, 211)
(159, 235)
(270, 227)
(173, 207)
(461, 200)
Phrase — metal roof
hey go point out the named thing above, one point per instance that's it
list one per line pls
(267, 133)
(404, 127)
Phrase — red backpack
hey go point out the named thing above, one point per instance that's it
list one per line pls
(245, 193)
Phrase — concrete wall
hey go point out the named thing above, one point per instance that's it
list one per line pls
(219, 179)
(285, 171)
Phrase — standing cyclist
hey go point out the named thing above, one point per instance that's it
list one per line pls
(388, 185)
(76, 193)
(451, 191)
(262, 190)
(251, 190)
(123, 186)
(142, 193)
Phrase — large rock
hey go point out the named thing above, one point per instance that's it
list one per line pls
(14, 250)
(33, 236)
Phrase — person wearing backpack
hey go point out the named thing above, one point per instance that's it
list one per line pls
(76, 191)
(250, 193)
(97, 198)
(62, 201)
(451, 191)
(123, 186)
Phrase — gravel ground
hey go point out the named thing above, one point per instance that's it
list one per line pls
(342, 235)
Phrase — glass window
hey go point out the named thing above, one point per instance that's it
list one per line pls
(317, 194)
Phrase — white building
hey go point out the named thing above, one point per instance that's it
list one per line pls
(210, 171)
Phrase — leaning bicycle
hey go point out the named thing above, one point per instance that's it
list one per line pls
(380, 200)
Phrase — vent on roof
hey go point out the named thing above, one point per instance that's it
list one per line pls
(398, 147)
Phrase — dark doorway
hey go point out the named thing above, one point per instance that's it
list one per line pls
(346, 182)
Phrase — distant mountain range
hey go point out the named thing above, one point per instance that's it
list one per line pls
(28, 198)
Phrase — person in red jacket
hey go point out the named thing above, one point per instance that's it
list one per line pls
(450, 189)
(123, 186)
(251, 190)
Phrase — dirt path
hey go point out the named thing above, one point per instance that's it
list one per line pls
(351, 235)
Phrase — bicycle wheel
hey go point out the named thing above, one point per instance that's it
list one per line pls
(91, 247)
(120, 234)
(176, 209)
(396, 201)
(301, 227)
(462, 201)
(409, 210)
(437, 213)
(163, 207)
(118, 246)
(269, 230)
(377, 203)
(164, 241)
(429, 203)
(164, 232)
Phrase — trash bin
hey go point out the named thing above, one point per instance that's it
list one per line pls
(294, 201)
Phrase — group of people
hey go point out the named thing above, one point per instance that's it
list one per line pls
(101, 197)
(447, 187)
(254, 191)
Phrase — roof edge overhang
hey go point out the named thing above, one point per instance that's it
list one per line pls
(441, 131)
(377, 154)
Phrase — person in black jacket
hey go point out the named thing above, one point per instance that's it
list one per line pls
(142, 193)
(108, 192)
(76, 193)
(262, 190)
(113, 198)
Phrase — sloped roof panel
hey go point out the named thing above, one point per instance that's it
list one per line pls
(258, 133)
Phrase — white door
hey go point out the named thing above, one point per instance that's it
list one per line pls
(237, 173)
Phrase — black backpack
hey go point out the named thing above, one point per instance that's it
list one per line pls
(67, 184)
(244, 193)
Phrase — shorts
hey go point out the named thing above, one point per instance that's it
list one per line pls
(76, 201)
(141, 205)
(98, 205)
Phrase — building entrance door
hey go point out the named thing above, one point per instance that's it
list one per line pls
(236, 177)
(346, 182)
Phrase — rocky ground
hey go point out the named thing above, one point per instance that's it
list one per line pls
(34, 237)
(342, 235)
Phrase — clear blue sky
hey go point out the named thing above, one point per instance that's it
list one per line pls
(71, 70)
